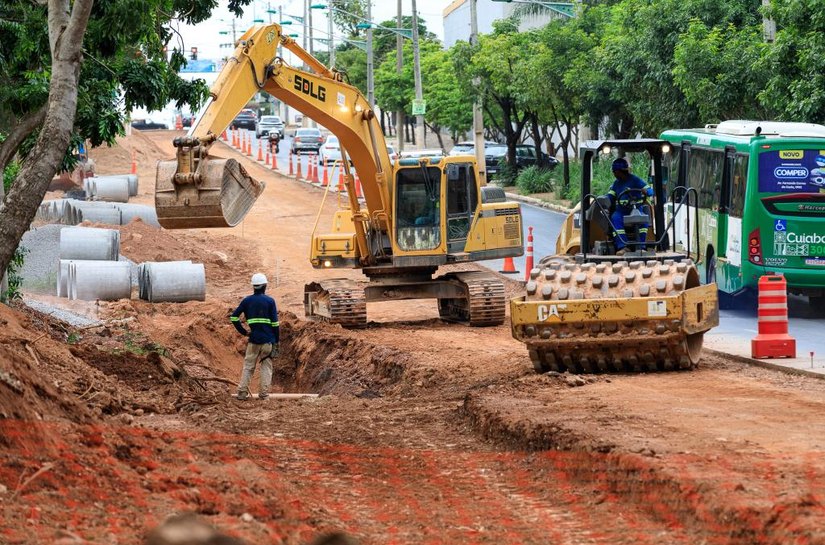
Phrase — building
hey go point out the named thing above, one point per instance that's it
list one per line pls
(457, 18)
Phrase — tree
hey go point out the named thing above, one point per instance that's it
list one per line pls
(447, 105)
(549, 81)
(348, 14)
(78, 69)
(716, 68)
(795, 89)
(496, 61)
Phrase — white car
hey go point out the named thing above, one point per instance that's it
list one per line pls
(330, 151)
(392, 154)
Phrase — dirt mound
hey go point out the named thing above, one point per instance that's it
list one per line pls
(227, 258)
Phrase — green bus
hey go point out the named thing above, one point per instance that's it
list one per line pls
(759, 203)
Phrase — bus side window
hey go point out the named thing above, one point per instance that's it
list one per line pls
(738, 185)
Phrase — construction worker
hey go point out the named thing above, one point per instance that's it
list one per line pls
(261, 316)
(626, 191)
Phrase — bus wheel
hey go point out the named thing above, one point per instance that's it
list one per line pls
(711, 270)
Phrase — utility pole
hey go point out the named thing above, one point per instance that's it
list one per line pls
(370, 75)
(329, 35)
(281, 54)
(419, 93)
(399, 65)
(478, 117)
(309, 25)
(768, 25)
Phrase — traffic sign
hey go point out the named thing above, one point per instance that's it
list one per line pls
(419, 107)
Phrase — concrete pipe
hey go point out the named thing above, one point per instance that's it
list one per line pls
(114, 189)
(104, 280)
(173, 281)
(129, 212)
(89, 243)
(132, 179)
(63, 278)
(108, 216)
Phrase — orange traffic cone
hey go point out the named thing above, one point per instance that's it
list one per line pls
(340, 178)
(178, 122)
(528, 261)
(260, 152)
(274, 161)
(248, 146)
(325, 180)
(298, 169)
(223, 136)
(357, 186)
(509, 266)
(134, 164)
(315, 170)
(291, 164)
(267, 162)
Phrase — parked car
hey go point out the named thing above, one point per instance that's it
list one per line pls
(307, 139)
(525, 157)
(148, 125)
(247, 119)
(392, 154)
(466, 148)
(267, 124)
(330, 150)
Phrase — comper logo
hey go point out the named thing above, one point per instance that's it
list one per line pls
(308, 88)
(790, 172)
(546, 311)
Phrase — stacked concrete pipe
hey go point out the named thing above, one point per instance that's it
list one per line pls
(99, 280)
(171, 281)
(109, 189)
(89, 243)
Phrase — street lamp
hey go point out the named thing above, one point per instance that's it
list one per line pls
(329, 31)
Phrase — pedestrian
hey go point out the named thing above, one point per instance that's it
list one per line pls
(261, 315)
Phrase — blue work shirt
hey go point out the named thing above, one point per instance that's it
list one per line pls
(632, 182)
(261, 315)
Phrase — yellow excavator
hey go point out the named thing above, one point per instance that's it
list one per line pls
(418, 214)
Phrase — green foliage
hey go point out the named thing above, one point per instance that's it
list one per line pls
(534, 179)
(9, 174)
(124, 64)
(348, 14)
(138, 344)
(13, 274)
(73, 338)
(795, 63)
(506, 174)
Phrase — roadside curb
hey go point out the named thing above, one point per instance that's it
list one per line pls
(538, 202)
(767, 365)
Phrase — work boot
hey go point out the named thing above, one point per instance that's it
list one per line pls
(263, 395)
(621, 252)
(243, 396)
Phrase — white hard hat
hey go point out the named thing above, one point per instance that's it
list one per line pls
(259, 279)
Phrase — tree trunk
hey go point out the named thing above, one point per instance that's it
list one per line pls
(25, 195)
(538, 138)
(437, 132)
(22, 129)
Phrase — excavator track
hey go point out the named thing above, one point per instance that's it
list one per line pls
(337, 301)
(623, 342)
(484, 304)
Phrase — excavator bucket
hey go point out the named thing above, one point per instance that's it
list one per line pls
(219, 194)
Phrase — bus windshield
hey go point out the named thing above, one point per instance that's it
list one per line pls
(792, 171)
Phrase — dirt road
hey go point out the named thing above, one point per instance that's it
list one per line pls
(425, 433)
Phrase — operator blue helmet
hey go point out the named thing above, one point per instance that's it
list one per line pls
(621, 164)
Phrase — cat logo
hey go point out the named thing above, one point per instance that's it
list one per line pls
(546, 311)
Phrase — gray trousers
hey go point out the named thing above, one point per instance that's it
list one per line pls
(253, 352)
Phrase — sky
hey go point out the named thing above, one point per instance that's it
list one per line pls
(207, 38)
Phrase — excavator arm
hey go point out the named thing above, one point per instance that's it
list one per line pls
(199, 191)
